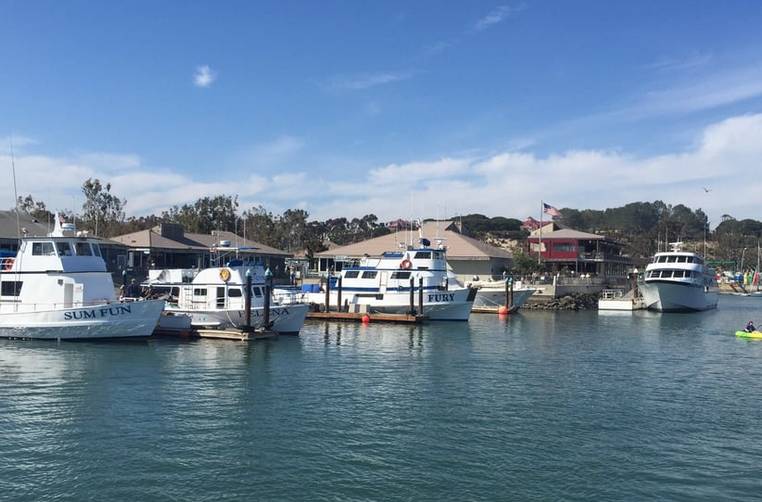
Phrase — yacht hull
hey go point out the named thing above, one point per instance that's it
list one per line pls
(675, 297)
(495, 297)
(108, 320)
(452, 305)
(286, 319)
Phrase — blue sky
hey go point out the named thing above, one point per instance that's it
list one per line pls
(344, 108)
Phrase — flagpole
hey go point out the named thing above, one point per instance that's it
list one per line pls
(539, 246)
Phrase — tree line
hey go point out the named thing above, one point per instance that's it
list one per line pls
(643, 227)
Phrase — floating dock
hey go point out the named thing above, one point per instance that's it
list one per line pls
(243, 335)
(358, 316)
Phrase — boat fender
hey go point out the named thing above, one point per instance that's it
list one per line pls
(406, 264)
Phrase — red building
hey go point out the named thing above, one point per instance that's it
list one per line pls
(564, 249)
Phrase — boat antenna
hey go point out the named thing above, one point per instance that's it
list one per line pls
(15, 190)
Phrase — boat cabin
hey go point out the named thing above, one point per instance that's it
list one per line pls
(63, 269)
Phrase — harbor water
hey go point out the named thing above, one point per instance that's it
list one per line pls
(538, 406)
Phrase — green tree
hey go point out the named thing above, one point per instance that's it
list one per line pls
(103, 212)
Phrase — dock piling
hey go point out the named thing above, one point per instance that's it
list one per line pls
(268, 293)
(247, 299)
(420, 296)
(338, 300)
(412, 296)
(328, 293)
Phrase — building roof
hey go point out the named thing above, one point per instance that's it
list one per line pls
(188, 241)
(553, 230)
(459, 246)
(9, 229)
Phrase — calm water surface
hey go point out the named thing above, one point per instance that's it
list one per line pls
(541, 406)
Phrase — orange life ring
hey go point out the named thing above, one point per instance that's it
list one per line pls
(406, 264)
(8, 263)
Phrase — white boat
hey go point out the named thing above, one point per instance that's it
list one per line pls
(678, 281)
(214, 299)
(383, 285)
(492, 294)
(57, 287)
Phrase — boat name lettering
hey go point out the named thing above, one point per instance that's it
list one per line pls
(95, 313)
(444, 297)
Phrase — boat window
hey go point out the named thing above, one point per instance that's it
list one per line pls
(699, 260)
(369, 274)
(400, 275)
(257, 292)
(11, 288)
(662, 259)
(64, 248)
(97, 250)
(681, 259)
(234, 292)
(423, 255)
(689, 259)
(83, 249)
(43, 249)
(671, 259)
(678, 274)
(199, 292)
(352, 274)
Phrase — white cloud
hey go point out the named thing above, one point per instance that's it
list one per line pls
(366, 80)
(693, 60)
(204, 76)
(497, 15)
(725, 157)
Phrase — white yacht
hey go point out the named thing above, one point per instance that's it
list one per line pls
(383, 285)
(214, 298)
(679, 281)
(492, 294)
(57, 287)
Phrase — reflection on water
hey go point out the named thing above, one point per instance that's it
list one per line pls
(567, 405)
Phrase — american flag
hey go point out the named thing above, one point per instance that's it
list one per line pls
(552, 211)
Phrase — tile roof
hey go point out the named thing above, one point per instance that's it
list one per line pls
(459, 246)
(152, 238)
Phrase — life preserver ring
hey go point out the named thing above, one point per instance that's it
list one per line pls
(406, 264)
(8, 263)
(225, 274)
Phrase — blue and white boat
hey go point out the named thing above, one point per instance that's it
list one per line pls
(383, 285)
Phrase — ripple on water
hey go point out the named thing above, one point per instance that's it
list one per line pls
(572, 406)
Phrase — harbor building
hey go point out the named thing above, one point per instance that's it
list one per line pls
(168, 245)
(566, 250)
(468, 257)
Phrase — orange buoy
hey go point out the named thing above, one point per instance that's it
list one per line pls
(366, 319)
(502, 310)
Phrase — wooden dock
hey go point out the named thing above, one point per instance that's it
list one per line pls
(357, 317)
(243, 335)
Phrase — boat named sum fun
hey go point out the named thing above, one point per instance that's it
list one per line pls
(57, 287)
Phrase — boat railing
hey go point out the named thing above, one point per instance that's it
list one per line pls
(12, 306)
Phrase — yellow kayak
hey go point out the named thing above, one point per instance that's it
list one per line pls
(757, 335)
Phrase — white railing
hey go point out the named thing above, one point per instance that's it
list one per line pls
(14, 306)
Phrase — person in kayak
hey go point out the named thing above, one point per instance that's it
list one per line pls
(750, 327)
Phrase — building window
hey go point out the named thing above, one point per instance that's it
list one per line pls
(11, 288)
(43, 249)
(369, 274)
(564, 247)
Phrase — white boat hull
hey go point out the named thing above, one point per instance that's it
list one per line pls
(495, 297)
(285, 319)
(108, 320)
(452, 305)
(674, 297)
